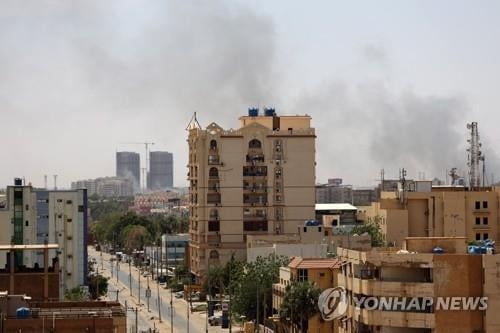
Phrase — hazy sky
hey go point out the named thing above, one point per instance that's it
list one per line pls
(389, 84)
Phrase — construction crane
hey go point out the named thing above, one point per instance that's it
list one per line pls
(146, 168)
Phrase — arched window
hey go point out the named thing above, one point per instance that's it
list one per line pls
(254, 144)
(213, 173)
(214, 254)
(213, 144)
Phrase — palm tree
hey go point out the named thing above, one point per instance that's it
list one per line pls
(300, 303)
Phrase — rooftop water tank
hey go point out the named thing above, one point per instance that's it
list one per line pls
(18, 182)
(253, 112)
(269, 112)
(23, 313)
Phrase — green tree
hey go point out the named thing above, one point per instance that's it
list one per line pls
(300, 303)
(253, 287)
(134, 236)
(373, 229)
(76, 294)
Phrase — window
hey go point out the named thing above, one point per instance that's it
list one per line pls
(485, 220)
(213, 173)
(485, 236)
(69, 202)
(254, 144)
(302, 274)
(27, 223)
(214, 254)
(478, 220)
(305, 229)
(322, 274)
(81, 209)
(213, 226)
(213, 144)
(27, 207)
(478, 236)
(485, 204)
(478, 205)
(69, 220)
(59, 200)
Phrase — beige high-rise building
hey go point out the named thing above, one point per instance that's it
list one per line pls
(258, 179)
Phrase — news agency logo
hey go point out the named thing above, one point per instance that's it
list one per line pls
(332, 303)
(418, 304)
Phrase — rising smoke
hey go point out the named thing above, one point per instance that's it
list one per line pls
(82, 76)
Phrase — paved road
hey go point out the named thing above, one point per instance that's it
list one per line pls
(147, 319)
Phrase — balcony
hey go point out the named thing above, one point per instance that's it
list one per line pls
(254, 217)
(393, 318)
(386, 288)
(254, 171)
(255, 199)
(213, 160)
(255, 158)
(255, 188)
(255, 226)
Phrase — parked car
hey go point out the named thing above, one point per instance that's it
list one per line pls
(215, 320)
(179, 294)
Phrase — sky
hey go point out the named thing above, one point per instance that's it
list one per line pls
(389, 84)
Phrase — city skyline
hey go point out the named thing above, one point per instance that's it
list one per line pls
(379, 84)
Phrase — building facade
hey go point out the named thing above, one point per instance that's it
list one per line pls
(57, 217)
(257, 179)
(322, 273)
(438, 211)
(128, 165)
(161, 170)
(419, 273)
(107, 187)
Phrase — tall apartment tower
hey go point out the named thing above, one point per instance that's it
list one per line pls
(161, 170)
(128, 165)
(255, 180)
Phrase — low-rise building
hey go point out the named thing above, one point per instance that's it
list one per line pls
(68, 317)
(321, 272)
(423, 210)
(336, 214)
(419, 271)
(107, 187)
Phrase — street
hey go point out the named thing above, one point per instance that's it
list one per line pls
(148, 320)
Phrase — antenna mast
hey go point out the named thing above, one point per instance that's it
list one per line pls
(474, 156)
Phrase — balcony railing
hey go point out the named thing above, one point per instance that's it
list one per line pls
(213, 159)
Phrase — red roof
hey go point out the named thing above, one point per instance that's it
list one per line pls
(304, 263)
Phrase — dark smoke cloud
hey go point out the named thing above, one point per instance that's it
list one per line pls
(78, 77)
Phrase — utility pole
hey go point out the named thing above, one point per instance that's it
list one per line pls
(97, 283)
(139, 294)
(136, 321)
(130, 275)
(117, 269)
(148, 291)
(159, 300)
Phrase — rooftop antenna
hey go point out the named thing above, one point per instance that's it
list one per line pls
(474, 156)
(45, 181)
(193, 123)
(454, 176)
(55, 182)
